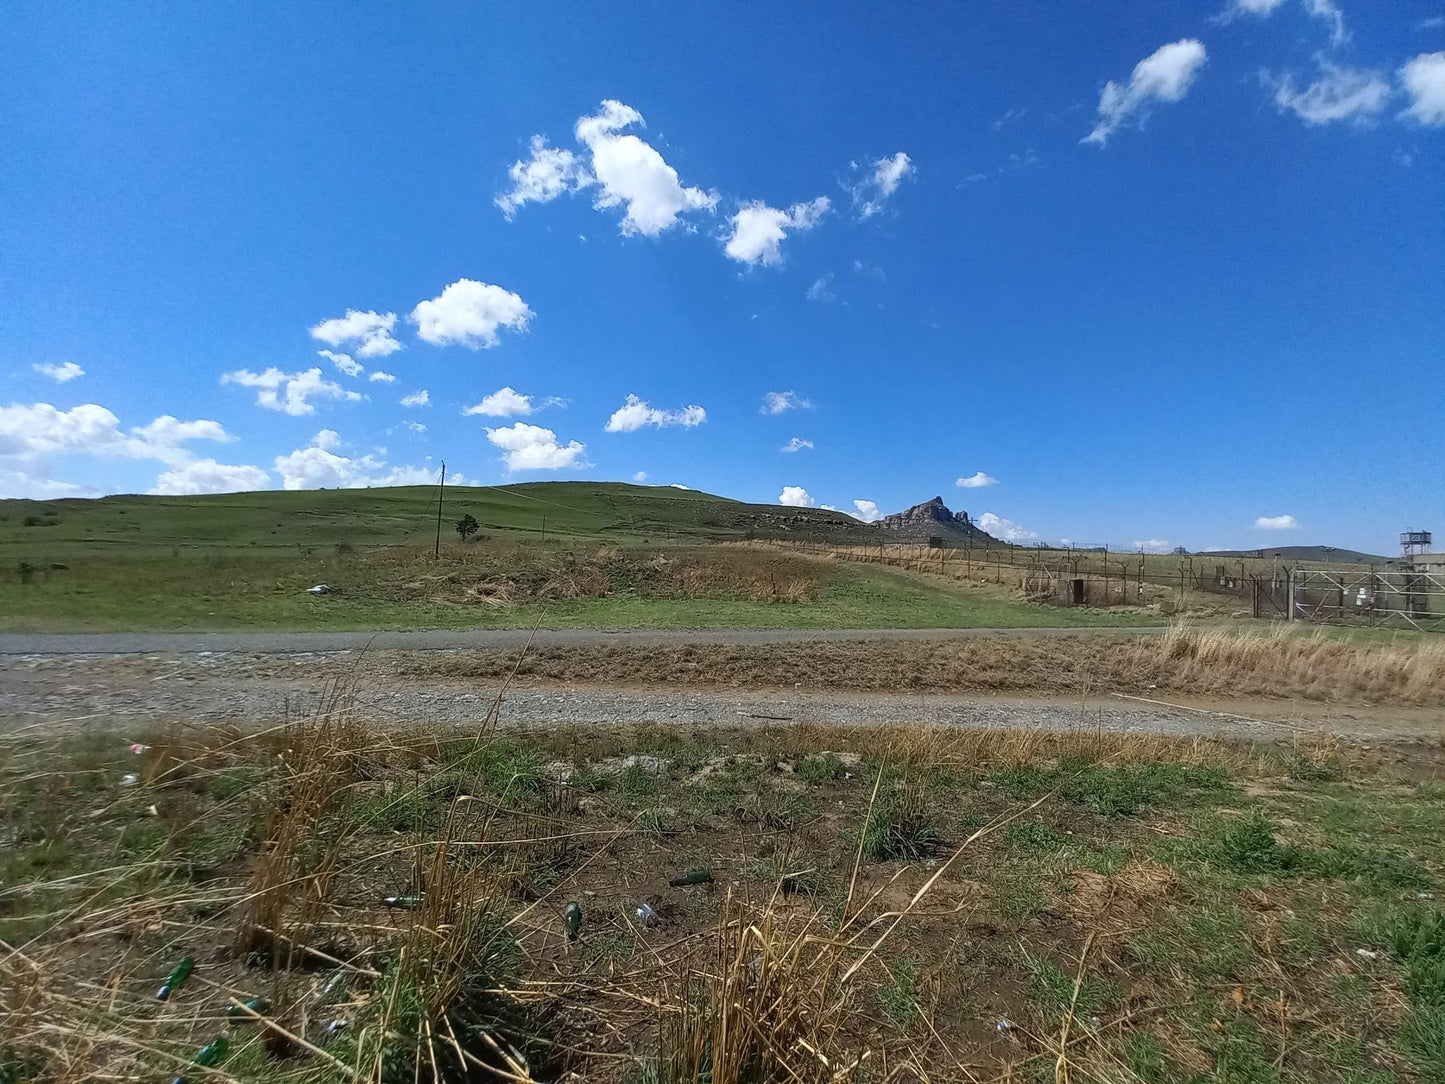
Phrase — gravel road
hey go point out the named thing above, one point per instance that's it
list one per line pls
(46, 691)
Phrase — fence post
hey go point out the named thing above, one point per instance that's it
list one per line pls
(1291, 595)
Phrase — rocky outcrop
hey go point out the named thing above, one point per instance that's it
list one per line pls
(932, 519)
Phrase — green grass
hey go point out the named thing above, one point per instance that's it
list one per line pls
(246, 560)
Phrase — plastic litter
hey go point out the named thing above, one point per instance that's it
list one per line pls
(573, 916)
(336, 1027)
(700, 876)
(138, 748)
(334, 988)
(319, 589)
(1367, 954)
(130, 779)
(249, 1009)
(646, 915)
(176, 979)
(401, 903)
(1005, 1025)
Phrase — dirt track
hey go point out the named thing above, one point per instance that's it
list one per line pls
(43, 690)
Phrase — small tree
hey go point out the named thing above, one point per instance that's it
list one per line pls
(467, 526)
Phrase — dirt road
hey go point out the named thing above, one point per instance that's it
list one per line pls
(281, 643)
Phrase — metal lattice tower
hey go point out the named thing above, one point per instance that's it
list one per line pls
(1413, 542)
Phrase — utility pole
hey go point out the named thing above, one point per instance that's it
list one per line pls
(441, 488)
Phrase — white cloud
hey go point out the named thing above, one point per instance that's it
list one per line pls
(1153, 545)
(795, 497)
(414, 427)
(345, 362)
(796, 444)
(61, 374)
(369, 331)
(640, 476)
(319, 466)
(530, 447)
(33, 436)
(776, 402)
(1424, 80)
(1164, 75)
(867, 511)
(379, 377)
(1338, 94)
(1005, 529)
(1276, 523)
(208, 476)
(468, 313)
(502, 403)
(976, 481)
(416, 399)
(636, 414)
(630, 171)
(822, 289)
(290, 393)
(880, 180)
(1326, 10)
(758, 230)
(541, 178)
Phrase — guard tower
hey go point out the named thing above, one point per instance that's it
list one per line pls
(1414, 543)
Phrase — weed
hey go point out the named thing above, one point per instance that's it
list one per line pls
(1031, 835)
(1053, 989)
(897, 997)
(821, 768)
(900, 828)
(1247, 845)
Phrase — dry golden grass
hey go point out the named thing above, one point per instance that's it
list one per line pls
(1208, 662)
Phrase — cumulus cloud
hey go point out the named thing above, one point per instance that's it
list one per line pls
(976, 481)
(289, 393)
(1164, 75)
(1276, 523)
(867, 511)
(1424, 80)
(531, 447)
(208, 476)
(1153, 545)
(796, 444)
(415, 428)
(33, 436)
(368, 333)
(758, 230)
(502, 403)
(320, 466)
(1325, 10)
(417, 398)
(379, 377)
(630, 172)
(877, 181)
(636, 414)
(640, 476)
(1005, 529)
(543, 176)
(776, 402)
(795, 497)
(468, 313)
(62, 373)
(1338, 94)
(345, 362)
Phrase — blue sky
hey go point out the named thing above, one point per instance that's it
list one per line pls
(1141, 272)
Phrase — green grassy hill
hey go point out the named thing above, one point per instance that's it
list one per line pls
(403, 515)
(559, 554)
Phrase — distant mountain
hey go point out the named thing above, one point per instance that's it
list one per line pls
(1332, 554)
(932, 519)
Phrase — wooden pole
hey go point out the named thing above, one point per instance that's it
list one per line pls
(441, 488)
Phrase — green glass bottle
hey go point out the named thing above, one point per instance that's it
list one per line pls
(249, 1009)
(208, 1057)
(401, 903)
(573, 917)
(700, 876)
(176, 979)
